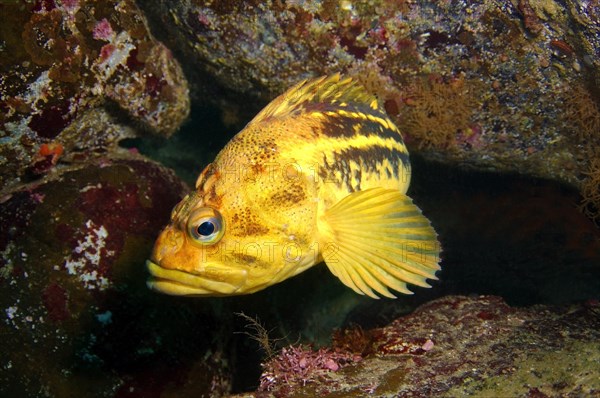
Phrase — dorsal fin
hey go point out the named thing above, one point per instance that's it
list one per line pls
(325, 90)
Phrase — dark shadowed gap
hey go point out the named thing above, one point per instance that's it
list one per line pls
(189, 150)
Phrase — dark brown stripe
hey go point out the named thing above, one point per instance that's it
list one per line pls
(339, 125)
(369, 159)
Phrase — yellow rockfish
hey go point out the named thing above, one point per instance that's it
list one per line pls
(320, 174)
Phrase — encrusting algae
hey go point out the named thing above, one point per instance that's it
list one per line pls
(582, 119)
(320, 174)
(582, 113)
(430, 119)
(590, 191)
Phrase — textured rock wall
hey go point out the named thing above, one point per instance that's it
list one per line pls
(508, 86)
(77, 75)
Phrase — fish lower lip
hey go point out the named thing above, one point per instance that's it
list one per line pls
(179, 283)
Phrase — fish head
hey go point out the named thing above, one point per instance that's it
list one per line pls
(231, 238)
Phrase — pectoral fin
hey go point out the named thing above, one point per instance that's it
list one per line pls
(380, 240)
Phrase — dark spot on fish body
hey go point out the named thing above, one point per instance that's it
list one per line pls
(288, 197)
(255, 229)
(357, 178)
(251, 147)
(257, 168)
(244, 258)
(211, 197)
(264, 148)
(245, 223)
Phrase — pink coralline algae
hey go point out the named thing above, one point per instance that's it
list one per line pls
(106, 51)
(453, 346)
(103, 31)
(70, 5)
(301, 365)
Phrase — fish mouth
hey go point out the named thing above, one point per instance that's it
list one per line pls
(180, 283)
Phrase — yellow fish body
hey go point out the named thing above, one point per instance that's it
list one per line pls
(320, 174)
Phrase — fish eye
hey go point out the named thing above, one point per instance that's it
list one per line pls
(205, 226)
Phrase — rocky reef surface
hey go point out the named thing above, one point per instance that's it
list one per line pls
(508, 87)
(76, 77)
(77, 319)
(502, 85)
(452, 346)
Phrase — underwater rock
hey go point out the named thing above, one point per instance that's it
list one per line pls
(457, 346)
(77, 318)
(508, 86)
(72, 73)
